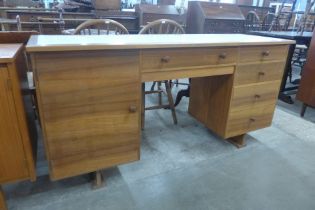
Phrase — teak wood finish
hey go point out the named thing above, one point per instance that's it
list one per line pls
(17, 147)
(90, 95)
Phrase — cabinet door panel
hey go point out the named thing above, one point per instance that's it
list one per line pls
(12, 161)
(90, 109)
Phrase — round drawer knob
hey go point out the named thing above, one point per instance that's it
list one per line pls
(132, 108)
(266, 53)
(261, 73)
(222, 56)
(257, 96)
(165, 59)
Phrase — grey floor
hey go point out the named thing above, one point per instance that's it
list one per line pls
(185, 166)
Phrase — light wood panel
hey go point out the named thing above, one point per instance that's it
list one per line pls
(12, 161)
(258, 72)
(90, 106)
(200, 71)
(259, 94)
(262, 53)
(210, 101)
(176, 59)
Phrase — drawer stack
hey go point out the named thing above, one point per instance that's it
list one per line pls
(255, 89)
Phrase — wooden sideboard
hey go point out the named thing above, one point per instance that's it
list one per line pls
(89, 91)
(17, 128)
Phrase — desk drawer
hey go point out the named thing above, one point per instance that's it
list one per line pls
(240, 122)
(246, 97)
(262, 53)
(261, 72)
(156, 60)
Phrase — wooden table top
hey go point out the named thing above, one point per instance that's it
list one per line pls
(8, 52)
(45, 43)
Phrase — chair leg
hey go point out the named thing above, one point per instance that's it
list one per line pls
(153, 86)
(159, 84)
(304, 106)
(170, 100)
(143, 106)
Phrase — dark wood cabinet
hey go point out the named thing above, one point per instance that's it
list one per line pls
(306, 92)
(148, 13)
(214, 18)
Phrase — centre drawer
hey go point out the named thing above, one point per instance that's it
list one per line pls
(248, 96)
(258, 72)
(179, 59)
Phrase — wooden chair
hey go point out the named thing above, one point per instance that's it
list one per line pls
(162, 26)
(252, 22)
(100, 27)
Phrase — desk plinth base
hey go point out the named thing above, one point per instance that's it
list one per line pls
(98, 180)
(238, 141)
(3, 205)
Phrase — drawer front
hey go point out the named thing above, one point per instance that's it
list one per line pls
(157, 60)
(260, 94)
(240, 122)
(90, 109)
(263, 53)
(261, 72)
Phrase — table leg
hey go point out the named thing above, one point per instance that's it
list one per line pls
(288, 68)
(238, 141)
(3, 205)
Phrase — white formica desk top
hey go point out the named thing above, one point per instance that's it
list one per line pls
(46, 43)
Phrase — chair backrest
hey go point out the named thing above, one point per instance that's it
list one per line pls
(162, 26)
(100, 27)
(267, 22)
(252, 21)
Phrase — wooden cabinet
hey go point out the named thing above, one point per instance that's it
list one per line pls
(306, 92)
(17, 128)
(90, 107)
(214, 18)
(148, 13)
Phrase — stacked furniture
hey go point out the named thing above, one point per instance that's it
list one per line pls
(306, 91)
(260, 11)
(214, 18)
(148, 13)
(17, 128)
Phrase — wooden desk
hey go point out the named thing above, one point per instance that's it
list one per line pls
(17, 135)
(89, 90)
(305, 39)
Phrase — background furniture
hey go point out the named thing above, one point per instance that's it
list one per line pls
(148, 13)
(17, 128)
(107, 4)
(306, 91)
(214, 18)
(100, 27)
(92, 121)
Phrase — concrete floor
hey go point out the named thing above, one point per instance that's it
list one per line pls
(185, 166)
